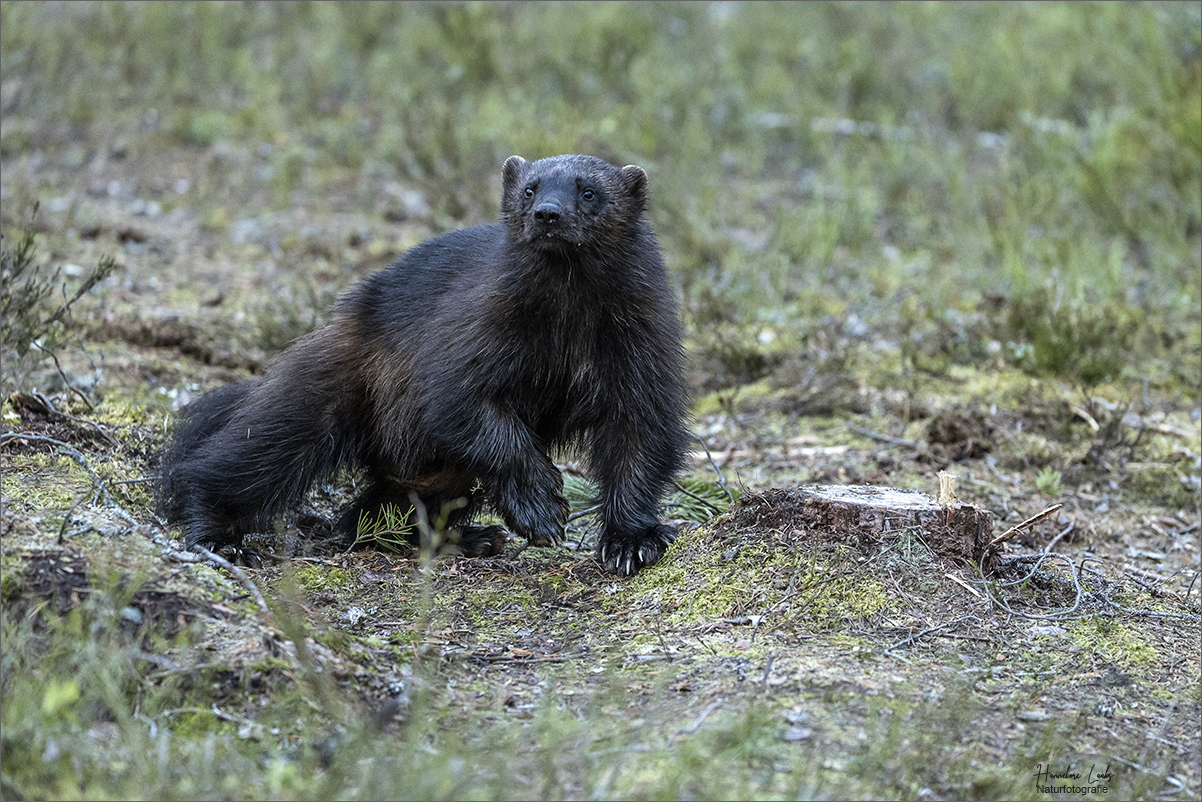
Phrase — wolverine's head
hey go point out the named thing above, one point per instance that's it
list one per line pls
(571, 202)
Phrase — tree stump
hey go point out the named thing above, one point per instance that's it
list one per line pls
(868, 517)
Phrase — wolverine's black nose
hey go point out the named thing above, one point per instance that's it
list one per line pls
(547, 212)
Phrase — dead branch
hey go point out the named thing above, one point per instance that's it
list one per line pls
(964, 585)
(63, 375)
(1059, 615)
(1100, 596)
(690, 729)
(1027, 524)
(1056, 539)
(693, 495)
(101, 494)
(916, 635)
(886, 438)
(582, 513)
(202, 554)
(717, 470)
(50, 409)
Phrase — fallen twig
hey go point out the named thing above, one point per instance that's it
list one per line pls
(508, 658)
(885, 438)
(203, 554)
(98, 485)
(913, 636)
(767, 671)
(1034, 519)
(692, 728)
(587, 511)
(56, 411)
(717, 470)
(1056, 539)
(693, 495)
(1038, 559)
(63, 375)
(964, 585)
(1075, 573)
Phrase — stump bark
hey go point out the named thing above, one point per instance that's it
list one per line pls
(868, 517)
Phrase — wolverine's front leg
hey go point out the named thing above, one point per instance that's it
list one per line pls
(523, 483)
(633, 459)
(528, 493)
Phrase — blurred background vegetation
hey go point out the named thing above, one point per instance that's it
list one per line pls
(976, 183)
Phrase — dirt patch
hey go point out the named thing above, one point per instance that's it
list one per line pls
(176, 334)
(61, 578)
(959, 434)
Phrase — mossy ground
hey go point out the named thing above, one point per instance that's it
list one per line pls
(809, 665)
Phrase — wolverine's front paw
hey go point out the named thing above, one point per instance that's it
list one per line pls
(226, 543)
(551, 530)
(626, 554)
(546, 533)
(540, 524)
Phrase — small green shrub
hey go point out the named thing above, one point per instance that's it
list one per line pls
(1048, 481)
(1071, 339)
(32, 323)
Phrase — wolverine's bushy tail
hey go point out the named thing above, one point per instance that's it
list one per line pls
(244, 454)
(195, 425)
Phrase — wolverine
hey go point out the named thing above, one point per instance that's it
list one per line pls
(448, 380)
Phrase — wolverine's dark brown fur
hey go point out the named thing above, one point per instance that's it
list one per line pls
(452, 374)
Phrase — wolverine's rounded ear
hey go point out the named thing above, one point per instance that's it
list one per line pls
(634, 179)
(514, 166)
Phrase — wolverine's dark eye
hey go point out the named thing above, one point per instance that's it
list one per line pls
(529, 192)
(588, 194)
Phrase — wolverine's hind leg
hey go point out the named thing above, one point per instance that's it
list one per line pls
(220, 536)
(475, 540)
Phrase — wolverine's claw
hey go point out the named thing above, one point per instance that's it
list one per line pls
(627, 555)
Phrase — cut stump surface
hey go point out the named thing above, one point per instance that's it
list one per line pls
(868, 517)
